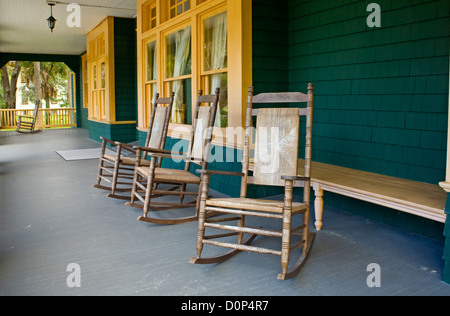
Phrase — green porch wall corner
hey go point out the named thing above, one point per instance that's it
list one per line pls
(125, 63)
(124, 133)
(446, 255)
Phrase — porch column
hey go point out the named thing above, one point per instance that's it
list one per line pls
(446, 186)
(446, 256)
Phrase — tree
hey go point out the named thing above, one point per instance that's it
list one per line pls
(37, 80)
(52, 74)
(10, 85)
(46, 79)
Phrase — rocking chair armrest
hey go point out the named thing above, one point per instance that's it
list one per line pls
(295, 178)
(218, 172)
(104, 139)
(124, 145)
(174, 155)
(152, 150)
(127, 147)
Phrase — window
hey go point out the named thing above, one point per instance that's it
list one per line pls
(188, 50)
(215, 62)
(102, 91)
(98, 91)
(151, 79)
(149, 15)
(153, 17)
(93, 49)
(101, 49)
(178, 7)
(94, 112)
(85, 81)
(178, 71)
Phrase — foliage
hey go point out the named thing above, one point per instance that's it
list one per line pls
(53, 79)
(9, 76)
(2, 95)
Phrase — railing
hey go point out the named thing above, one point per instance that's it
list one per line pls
(47, 118)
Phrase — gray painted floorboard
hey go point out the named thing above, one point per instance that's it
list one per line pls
(51, 216)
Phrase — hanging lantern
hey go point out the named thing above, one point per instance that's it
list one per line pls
(51, 20)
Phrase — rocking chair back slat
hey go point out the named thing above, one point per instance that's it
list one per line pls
(204, 115)
(158, 128)
(159, 122)
(285, 97)
(277, 141)
(203, 127)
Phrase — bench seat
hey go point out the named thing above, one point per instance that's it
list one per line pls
(414, 197)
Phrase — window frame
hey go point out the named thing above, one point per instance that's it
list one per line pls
(206, 75)
(147, 106)
(85, 79)
(239, 70)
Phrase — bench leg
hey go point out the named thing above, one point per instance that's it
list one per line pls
(318, 205)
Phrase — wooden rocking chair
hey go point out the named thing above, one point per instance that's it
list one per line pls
(275, 164)
(121, 166)
(148, 178)
(27, 123)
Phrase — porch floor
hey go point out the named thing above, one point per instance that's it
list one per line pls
(51, 216)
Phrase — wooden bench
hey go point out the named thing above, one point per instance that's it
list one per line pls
(418, 198)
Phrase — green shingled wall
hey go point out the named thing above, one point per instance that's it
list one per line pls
(270, 46)
(124, 133)
(125, 69)
(381, 94)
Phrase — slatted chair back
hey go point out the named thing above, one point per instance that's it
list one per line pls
(277, 137)
(203, 127)
(159, 122)
(36, 111)
(276, 145)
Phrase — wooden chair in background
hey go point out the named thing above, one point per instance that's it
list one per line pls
(27, 123)
(275, 164)
(121, 166)
(148, 178)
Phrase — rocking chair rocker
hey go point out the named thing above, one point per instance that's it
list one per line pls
(275, 164)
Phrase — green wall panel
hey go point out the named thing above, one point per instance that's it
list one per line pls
(270, 46)
(124, 133)
(125, 69)
(381, 94)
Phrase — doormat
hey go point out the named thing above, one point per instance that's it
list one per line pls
(83, 154)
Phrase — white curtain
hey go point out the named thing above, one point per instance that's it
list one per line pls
(182, 52)
(218, 53)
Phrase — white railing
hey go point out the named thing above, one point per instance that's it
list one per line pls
(47, 118)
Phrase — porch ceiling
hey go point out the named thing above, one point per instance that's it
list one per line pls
(24, 28)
